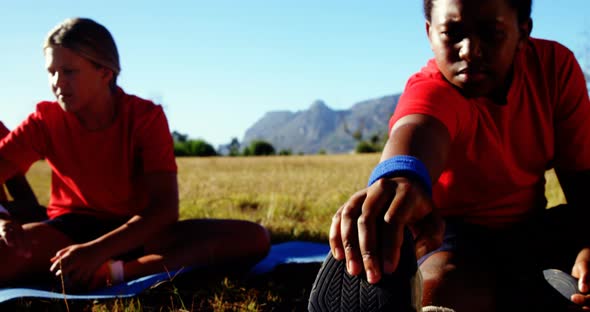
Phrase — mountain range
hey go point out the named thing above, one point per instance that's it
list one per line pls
(321, 128)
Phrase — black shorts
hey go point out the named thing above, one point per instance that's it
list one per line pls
(553, 238)
(519, 254)
(81, 228)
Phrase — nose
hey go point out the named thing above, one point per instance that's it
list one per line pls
(470, 49)
(56, 79)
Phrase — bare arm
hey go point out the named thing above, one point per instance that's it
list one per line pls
(80, 261)
(20, 190)
(24, 207)
(423, 137)
(368, 229)
(7, 170)
(161, 212)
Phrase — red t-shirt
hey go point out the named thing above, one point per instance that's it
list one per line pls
(3, 132)
(95, 172)
(499, 153)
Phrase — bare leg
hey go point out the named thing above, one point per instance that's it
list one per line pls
(202, 243)
(45, 242)
(461, 284)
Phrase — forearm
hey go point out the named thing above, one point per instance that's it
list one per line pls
(422, 137)
(160, 213)
(7, 170)
(21, 191)
(134, 233)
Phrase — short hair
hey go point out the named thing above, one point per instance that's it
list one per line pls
(88, 39)
(523, 9)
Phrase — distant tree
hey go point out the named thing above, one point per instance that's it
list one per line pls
(179, 137)
(374, 144)
(286, 152)
(322, 152)
(356, 134)
(194, 148)
(180, 149)
(259, 148)
(365, 147)
(234, 147)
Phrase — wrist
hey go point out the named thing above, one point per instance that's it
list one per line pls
(402, 166)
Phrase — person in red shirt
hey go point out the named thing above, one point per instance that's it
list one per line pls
(22, 204)
(113, 211)
(483, 121)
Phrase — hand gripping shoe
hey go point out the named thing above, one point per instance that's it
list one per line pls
(336, 290)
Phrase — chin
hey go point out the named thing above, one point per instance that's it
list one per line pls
(67, 107)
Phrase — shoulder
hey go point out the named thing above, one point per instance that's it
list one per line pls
(143, 116)
(548, 51)
(429, 85)
(48, 107)
(137, 105)
(139, 109)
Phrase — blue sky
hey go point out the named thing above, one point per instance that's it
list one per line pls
(218, 66)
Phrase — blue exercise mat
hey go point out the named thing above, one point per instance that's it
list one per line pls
(290, 252)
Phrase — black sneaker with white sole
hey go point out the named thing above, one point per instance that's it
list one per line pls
(336, 290)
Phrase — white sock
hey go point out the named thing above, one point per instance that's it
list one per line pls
(116, 271)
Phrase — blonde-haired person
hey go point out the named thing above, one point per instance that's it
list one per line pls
(113, 212)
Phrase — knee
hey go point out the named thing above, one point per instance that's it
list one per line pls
(261, 239)
(465, 287)
(436, 273)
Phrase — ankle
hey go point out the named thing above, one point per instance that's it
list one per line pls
(108, 274)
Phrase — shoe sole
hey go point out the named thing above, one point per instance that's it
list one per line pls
(336, 290)
(564, 283)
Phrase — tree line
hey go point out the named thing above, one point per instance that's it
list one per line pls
(185, 146)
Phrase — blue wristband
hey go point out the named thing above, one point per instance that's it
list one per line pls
(404, 166)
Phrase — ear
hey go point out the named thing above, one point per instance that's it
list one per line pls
(428, 30)
(525, 29)
(107, 75)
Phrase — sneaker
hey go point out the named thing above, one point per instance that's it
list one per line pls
(336, 290)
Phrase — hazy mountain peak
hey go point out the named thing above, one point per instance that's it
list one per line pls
(318, 105)
(321, 128)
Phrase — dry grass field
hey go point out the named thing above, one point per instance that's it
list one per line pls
(293, 196)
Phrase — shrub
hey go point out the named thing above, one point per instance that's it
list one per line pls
(259, 148)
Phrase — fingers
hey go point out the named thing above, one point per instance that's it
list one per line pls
(581, 270)
(349, 233)
(582, 300)
(370, 231)
(335, 237)
(395, 218)
(64, 265)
